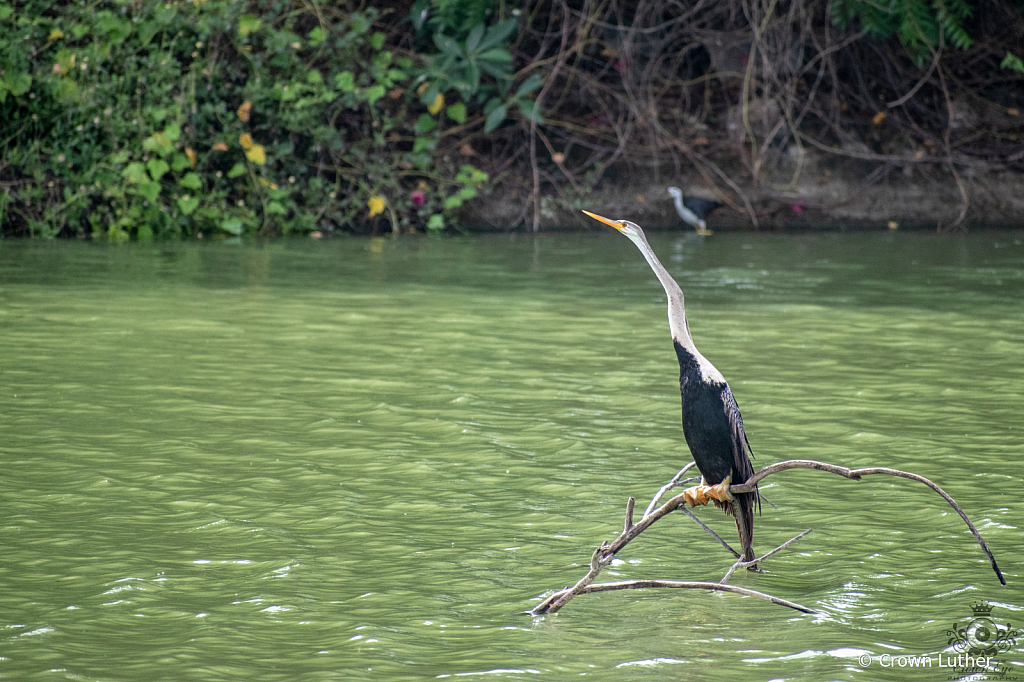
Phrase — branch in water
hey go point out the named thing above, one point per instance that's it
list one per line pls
(856, 474)
(546, 606)
(604, 554)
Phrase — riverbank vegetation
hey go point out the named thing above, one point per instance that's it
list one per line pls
(152, 119)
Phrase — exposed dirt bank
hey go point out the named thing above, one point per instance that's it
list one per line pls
(829, 194)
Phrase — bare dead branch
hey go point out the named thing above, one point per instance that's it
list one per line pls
(547, 606)
(668, 486)
(856, 474)
(748, 564)
(604, 554)
(706, 527)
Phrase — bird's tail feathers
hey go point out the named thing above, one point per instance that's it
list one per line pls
(745, 503)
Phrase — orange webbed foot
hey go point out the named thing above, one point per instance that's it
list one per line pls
(697, 495)
(721, 492)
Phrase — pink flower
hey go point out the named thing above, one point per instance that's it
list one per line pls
(419, 197)
(799, 206)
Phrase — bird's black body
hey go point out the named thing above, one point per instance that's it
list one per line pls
(713, 429)
(701, 207)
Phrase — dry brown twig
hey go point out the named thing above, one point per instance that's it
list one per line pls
(604, 554)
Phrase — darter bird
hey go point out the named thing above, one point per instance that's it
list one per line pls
(712, 424)
(693, 210)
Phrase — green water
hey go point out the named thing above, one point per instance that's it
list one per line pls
(367, 460)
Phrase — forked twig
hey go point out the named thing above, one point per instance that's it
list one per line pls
(604, 554)
(747, 564)
(668, 486)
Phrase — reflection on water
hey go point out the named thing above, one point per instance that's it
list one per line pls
(367, 459)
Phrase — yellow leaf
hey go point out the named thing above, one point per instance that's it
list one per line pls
(56, 34)
(878, 118)
(437, 105)
(256, 154)
(243, 111)
(191, 154)
(422, 88)
(245, 139)
(268, 183)
(376, 205)
(220, 147)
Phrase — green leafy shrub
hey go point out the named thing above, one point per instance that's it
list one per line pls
(172, 118)
(920, 25)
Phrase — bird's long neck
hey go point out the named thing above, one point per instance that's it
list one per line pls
(676, 310)
(680, 209)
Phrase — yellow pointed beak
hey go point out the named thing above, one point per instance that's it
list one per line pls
(614, 223)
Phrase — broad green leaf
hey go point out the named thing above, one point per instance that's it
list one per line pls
(457, 112)
(497, 34)
(475, 35)
(529, 85)
(135, 173)
(425, 123)
(316, 36)
(435, 223)
(495, 118)
(345, 81)
(423, 143)
(377, 40)
(360, 23)
(382, 60)
(418, 13)
(5, 11)
(528, 108)
(249, 23)
(150, 190)
(18, 83)
(236, 170)
(374, 93)
(496, 69)
(147, 30)
(467, 193)
(191, 181)
(275, 207)
(314, 77)
(232, 225)
(158, 114)
(157, 168)
(117, 29)
(1012, 61)
(180, 162)
(447, 45)
(497, 54)
(452, 202)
